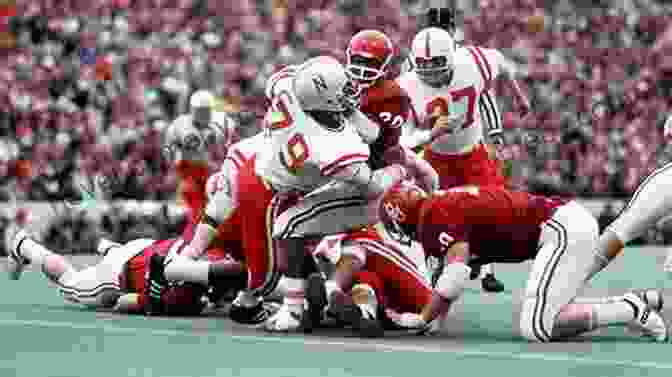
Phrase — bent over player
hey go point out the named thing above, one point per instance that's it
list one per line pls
(493, 224)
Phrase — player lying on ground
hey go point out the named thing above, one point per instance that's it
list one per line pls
(374, 270)
(117, 282)
(493, 224)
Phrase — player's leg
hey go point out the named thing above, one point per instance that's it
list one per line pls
(334, 209)
(559, 272)
(25, 250)
(649, 204)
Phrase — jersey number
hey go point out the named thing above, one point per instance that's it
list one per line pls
(297, 153)
(463, 95)
(394, 122)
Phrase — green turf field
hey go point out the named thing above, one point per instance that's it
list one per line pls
(44, 337)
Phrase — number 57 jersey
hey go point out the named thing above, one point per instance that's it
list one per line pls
(303, 154)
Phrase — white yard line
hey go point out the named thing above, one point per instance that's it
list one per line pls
(379, 346)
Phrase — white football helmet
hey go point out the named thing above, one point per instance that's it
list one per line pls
(433, 53)
(201, 98)
(321, 84)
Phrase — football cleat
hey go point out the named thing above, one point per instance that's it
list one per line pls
(649, 322)
(316, 297)
(491, 284)
(249, 316)
(284, 320)
(15, 262)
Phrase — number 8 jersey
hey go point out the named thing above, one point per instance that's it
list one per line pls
(475, 69)
(302, 154)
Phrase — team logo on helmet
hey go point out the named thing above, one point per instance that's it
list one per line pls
(320, 83)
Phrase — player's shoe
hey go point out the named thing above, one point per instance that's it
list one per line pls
(654, 301)
(155, 283)
(284, 320)
(16, 263)
(649, 322)
(316, 297)
(365, 324)
(105, 246)
(248, 315)
(491, 284)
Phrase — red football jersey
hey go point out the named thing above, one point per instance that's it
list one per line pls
(388, 105)
(499, 225)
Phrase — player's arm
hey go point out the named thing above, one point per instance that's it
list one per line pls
(449, 287)
(424, 174)
(170, 143)
(371, 183)
(219, 210)
(506, 68)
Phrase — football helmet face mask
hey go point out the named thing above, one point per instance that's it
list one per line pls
(369, 53)
(433, 52)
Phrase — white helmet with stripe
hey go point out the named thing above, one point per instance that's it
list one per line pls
(433, 54)
(321, 84)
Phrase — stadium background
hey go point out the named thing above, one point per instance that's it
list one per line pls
(87, 86)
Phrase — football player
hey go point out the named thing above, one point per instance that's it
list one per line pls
(369, 54)
(188, 141)
(240, 228)
(469, 223)
(375, 269)
(317, 153)
(117, 282)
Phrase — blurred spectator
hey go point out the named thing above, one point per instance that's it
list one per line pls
(87, 89)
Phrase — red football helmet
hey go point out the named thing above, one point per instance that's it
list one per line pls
(369, 53)
(400, 206)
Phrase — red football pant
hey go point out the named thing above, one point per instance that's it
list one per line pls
(473, 168)
(256, 203)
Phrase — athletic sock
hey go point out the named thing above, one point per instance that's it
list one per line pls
(296, 293)
(614, 313)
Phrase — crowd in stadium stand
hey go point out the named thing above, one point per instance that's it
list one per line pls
(87, 86)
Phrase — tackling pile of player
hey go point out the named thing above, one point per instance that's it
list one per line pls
(327, 211)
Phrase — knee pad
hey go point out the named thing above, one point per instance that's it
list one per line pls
(451, 283)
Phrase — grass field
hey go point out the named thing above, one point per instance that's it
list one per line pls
(42, 336)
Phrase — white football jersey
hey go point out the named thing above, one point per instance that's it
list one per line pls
(302, 155)
(191, 144)
(245, 150)
(474, 71)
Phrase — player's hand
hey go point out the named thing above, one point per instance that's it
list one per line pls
(668, 127)
(450, 123)
(409, 321)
